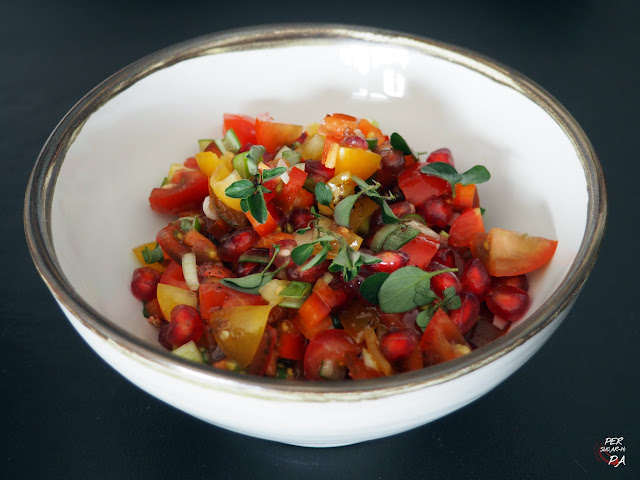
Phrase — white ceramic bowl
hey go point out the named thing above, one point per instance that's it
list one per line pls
(86, 205)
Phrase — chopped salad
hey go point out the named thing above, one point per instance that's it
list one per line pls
(327, 252)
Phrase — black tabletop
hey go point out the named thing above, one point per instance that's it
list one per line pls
(67, 414)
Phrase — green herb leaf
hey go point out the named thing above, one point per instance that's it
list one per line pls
(323, 194)
(368, 259)
(371, 286)
(301, 253)
(244, 205)
(152, 256)
(424, 317)
(296, 289)
(406, 289)
(292, 157)
(476, 174)
(399, 143)
(318, 258)
(258, 207)
(372, 143)
(255, 153)
(388, 217)
(254, 282)
(273, 172)
(342, 212)
(240, 189)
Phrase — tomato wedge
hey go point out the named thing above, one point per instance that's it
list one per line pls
(507, 253)
(465, 228)
(243, 126)
(187, 194)
(441, 340)
(328, 354)
(272, 135)
(421, 250)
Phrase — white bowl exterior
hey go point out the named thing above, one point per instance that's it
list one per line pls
(310, 423)
(100, 209)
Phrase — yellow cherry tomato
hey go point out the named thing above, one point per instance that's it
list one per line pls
(361, 163)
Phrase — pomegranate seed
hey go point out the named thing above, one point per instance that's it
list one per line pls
(508, 302)
(245, 148)
(186, 325)
(391, 261)
(144, 283)
(300, 218)
(442, 281)
(317, 171)
(437, 212)
(392, 160)
(441, 155)
(476, 279)
(398, 345)
(234, 245)
(354, 141)
(445, 256)
(247, 268)
(519, 281)
(467, 315)
(295, 273)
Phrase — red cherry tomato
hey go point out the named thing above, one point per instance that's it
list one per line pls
(328, 354)
(243, 126)
(187, 194)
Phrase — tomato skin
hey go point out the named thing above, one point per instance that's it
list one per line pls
(441, 155)
(333, 346)
(264, 360)
(464, 228)
(272, 135)
(506, 253)
(318, 172)
(171, 246)
(418, 187)
(441, 340)
(173, 275)
(287, 196)
(187, 194)
(421, 250)
(213, 295)
(243, 126)
(292, 345)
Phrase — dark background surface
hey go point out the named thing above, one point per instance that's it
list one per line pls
(66, 414)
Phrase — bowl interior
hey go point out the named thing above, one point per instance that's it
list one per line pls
(100, 208)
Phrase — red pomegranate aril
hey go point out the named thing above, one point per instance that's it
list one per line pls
(442, 281)
(445, 256)
(354, 141)
(441, 155)
(392, 160)
(145, 283)
(300, 218)
(391, 261)
(508, 302)
(234, 245)
(519, 281)
(398, 345)
(437, 212)
(243, 269)
(476, 279)
(186, 325)
(295, 272)
(467, 315)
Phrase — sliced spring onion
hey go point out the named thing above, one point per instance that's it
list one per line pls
(204, 143)
(296, 290)
(190, 270)
(292, 157)
(189, 351)
(281, 152)
(289, 302)
(270, 291)
(245, 257)
(209, 212)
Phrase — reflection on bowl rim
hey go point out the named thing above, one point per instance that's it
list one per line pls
(39, 195)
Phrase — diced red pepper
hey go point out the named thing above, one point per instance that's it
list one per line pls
(466, 197)
(263, 228)
(173, 275)
(313, 316)
(243, 126)
(187, 194)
